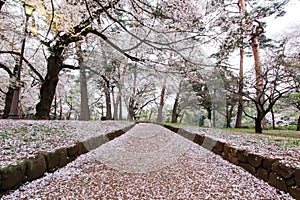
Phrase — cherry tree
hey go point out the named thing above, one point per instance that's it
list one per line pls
(277, 83)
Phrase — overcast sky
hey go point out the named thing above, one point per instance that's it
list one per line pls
(289, 22)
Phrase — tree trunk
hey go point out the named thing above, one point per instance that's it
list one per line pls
(273, 119)
(8, 100)
(181, 117)
(298, 124)
(108, 104)
(258, 74)
(161, 102)
(131, 109)
(229, 112)
(116, 108)
(239, 116)
(55, 106)
(118, 103)
(258, 126)
(131, 103)
(120, 108)
(175, 109)
(209, 114)
(150, 115)
(84, 101)
(48, 88)
(60, 109)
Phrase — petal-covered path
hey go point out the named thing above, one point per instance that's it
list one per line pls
(148, 162)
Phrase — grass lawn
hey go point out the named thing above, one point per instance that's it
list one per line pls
(271, 132)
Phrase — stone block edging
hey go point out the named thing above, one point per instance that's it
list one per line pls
(278, 174)
(13, 176)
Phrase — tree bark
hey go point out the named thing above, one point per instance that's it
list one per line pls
(258, 126)
(120, 108)
(273, 119)
(60, 109)
(258, 74)
(8, 100)
(84, 101)
(175, 109)
(161, 101)
(209, 113)
(298, 124)
(239, 116)
(108, 102)
(48, 88)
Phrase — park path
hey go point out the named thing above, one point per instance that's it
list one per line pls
(148, 162)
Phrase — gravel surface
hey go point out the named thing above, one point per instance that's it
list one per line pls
(24, 138)
(187, 171)
(287, 149)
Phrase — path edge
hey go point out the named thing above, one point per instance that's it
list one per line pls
(29, 169)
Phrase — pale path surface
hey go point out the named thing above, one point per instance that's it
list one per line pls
(149, 162)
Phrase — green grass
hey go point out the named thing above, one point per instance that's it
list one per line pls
(4, 135)
(278, 133)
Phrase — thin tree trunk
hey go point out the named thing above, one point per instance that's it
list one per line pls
(273, 119)
(60, 109)
(162, 100)
(258, 74)
(120, 108)
(150, 115)
(239, 116)
(55, 107)
(298, 124)
(175, 109)
(181, 117)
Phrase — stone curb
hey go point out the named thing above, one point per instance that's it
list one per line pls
(13, 176)
(279, 175)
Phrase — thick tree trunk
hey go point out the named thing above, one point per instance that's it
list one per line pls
(84, 101)
(118, 103)
(48, 88)
(229, 112)
(131, 109)
(258, 126)
(108, 104)
(116, 108)
(209, 113)
(239, 116)
(258, 121)
(84, 104)
(8, 100)
(298, 124)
